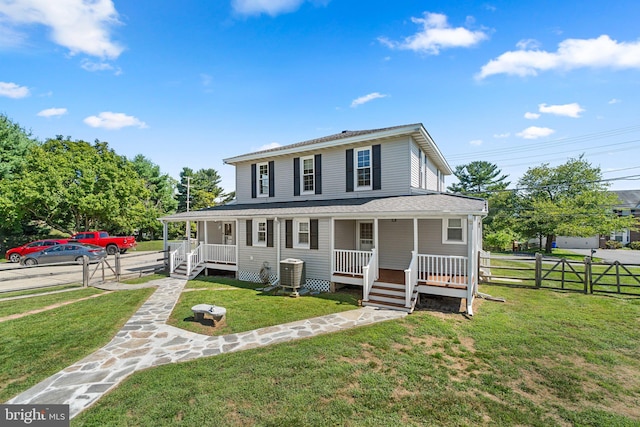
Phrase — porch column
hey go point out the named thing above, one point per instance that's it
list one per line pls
(165, 237)
(332, 244)
(237, 240)
(206, 238)
(375, 234)
(415, 235)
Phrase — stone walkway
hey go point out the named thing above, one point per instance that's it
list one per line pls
(146, 341)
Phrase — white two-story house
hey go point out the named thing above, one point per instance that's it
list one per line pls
(364, 208)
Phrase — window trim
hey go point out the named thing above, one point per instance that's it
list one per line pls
(356, 185)
(446, 227)
(296, 233)
(256, 232)
(312, 174)
(259, 192)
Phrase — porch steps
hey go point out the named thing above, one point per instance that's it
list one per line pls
(181, 271)
(390, 296)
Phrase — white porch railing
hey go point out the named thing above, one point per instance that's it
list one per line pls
(369, 274)
(222, 254)
(176, 256)
(351, 262)
(194, 258)
(442, 269)
(411, 278)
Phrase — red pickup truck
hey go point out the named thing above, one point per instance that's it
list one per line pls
(112, 244)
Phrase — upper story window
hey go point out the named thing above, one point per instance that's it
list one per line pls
(308, 174)
(263, 179)
(453, 231)
(363, 168)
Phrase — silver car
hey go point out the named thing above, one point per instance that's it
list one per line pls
(68, 252)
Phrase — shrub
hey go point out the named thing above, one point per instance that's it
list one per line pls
(634, 245)
(613, 244)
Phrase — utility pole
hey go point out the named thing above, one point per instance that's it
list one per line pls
(188, 230)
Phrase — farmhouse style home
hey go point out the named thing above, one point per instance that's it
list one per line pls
(364, 208)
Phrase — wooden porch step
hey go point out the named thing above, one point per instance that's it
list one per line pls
(386, 305)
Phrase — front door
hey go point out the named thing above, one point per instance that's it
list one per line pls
(227, 233)
(365, 235)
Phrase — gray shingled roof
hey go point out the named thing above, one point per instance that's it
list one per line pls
(335, 137)
(629, 198)
(427, 205)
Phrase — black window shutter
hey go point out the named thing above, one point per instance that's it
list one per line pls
(313, 235)
(296, 176)
(318, 171)
(272, 180)
(377, 167)
(249, 232)
(254, 185)
(350, 170)
(269, 233)
(288, 233)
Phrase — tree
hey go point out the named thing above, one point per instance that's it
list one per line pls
(14, 144)
(73, 186)
(161, 199)
(478, 178)
(569, 200)
(202, 188)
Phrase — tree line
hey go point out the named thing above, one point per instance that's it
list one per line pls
(566, 200)
(72, 185)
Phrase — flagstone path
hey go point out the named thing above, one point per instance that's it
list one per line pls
(146, 341)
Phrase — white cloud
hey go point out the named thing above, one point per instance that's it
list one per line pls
(614, 101)
(475, 142)
(436, 34)
(531, 116)
(99, 66)
(109, 120)
(535, 132)
(81, 26)
(12, 90)
(366, 98)
(270, 7)
(502, 135)
(268, 146)
(569, 110)
(528, 44)
(53, 112)
(602, 52)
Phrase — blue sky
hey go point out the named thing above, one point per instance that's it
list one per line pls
(190, 83)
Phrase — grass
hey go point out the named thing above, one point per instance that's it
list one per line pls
(37, 346)
(36, 302)
(36, 291)
(149, 245)
(249, 309)
(543, 358)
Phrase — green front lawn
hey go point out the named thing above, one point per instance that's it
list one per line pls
(249, 309)
(543, 358)
(36, 346)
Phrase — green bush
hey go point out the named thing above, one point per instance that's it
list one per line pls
(634, 245)
(613, 244)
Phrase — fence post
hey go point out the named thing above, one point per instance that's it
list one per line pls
(587, 275)
(85, 271)
(118, 266)
(538, 269)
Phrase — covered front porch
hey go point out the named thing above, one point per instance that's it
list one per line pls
(407, 257)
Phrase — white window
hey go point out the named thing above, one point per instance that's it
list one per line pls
(301, 237)
(363, 168)
(263, 179)
(260, 232)
(453, 231)
(308, 175)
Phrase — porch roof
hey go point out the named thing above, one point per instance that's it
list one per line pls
(427, 205)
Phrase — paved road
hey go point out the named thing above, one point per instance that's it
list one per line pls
(17, 277)
(623, 256)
